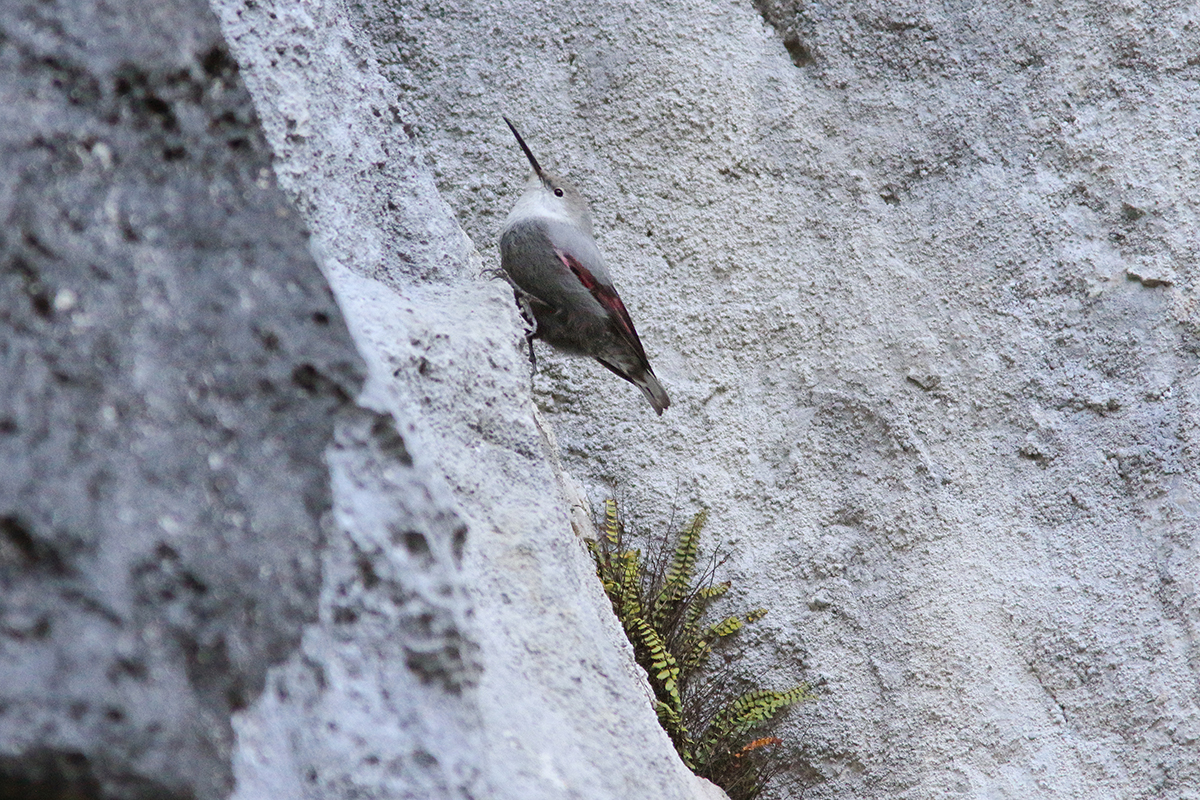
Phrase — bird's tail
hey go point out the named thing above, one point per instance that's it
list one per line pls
(643, 378)
(653, 390)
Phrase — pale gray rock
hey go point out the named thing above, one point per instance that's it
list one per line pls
(920, 282)
(555, 706)
(171, 364)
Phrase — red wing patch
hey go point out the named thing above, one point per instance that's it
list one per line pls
(605, 296)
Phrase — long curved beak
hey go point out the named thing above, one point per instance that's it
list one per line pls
(528, 154)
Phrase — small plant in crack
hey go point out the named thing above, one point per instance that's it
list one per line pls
(662, 603)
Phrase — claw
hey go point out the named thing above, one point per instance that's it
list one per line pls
(532, 357)
(527, 312)
(524, 305)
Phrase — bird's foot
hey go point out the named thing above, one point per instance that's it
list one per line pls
(532, 357)
(525, 304)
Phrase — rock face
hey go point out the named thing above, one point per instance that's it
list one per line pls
(554, 705)
(920, 282)
(171, 362)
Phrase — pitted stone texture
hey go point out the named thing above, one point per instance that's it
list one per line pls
(380, 697)
(925, 305)
(170, 364)
(559, 707)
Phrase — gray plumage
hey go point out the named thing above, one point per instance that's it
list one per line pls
(560, 279)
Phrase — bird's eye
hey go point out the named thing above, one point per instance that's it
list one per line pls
(558, 192)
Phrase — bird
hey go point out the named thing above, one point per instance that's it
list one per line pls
(549, 255)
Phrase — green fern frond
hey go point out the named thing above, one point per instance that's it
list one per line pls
(698, 650)
(672, 723)
(679, 574)
(746, 712)
(710, 593)
(610, 527)
(725, 627)
(689, 638)
(699, 604)
(664, 670)
(661, 612)
(630, 583)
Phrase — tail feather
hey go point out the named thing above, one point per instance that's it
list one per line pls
(645, 380)
(653, 390)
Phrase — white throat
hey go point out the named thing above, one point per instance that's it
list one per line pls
(539, 205)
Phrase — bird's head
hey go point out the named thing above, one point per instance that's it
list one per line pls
(547, 194)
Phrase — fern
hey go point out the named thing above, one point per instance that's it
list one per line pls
(756, 615)
(661, 610)
(679, 576)
(742, 715)
(609, 528)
